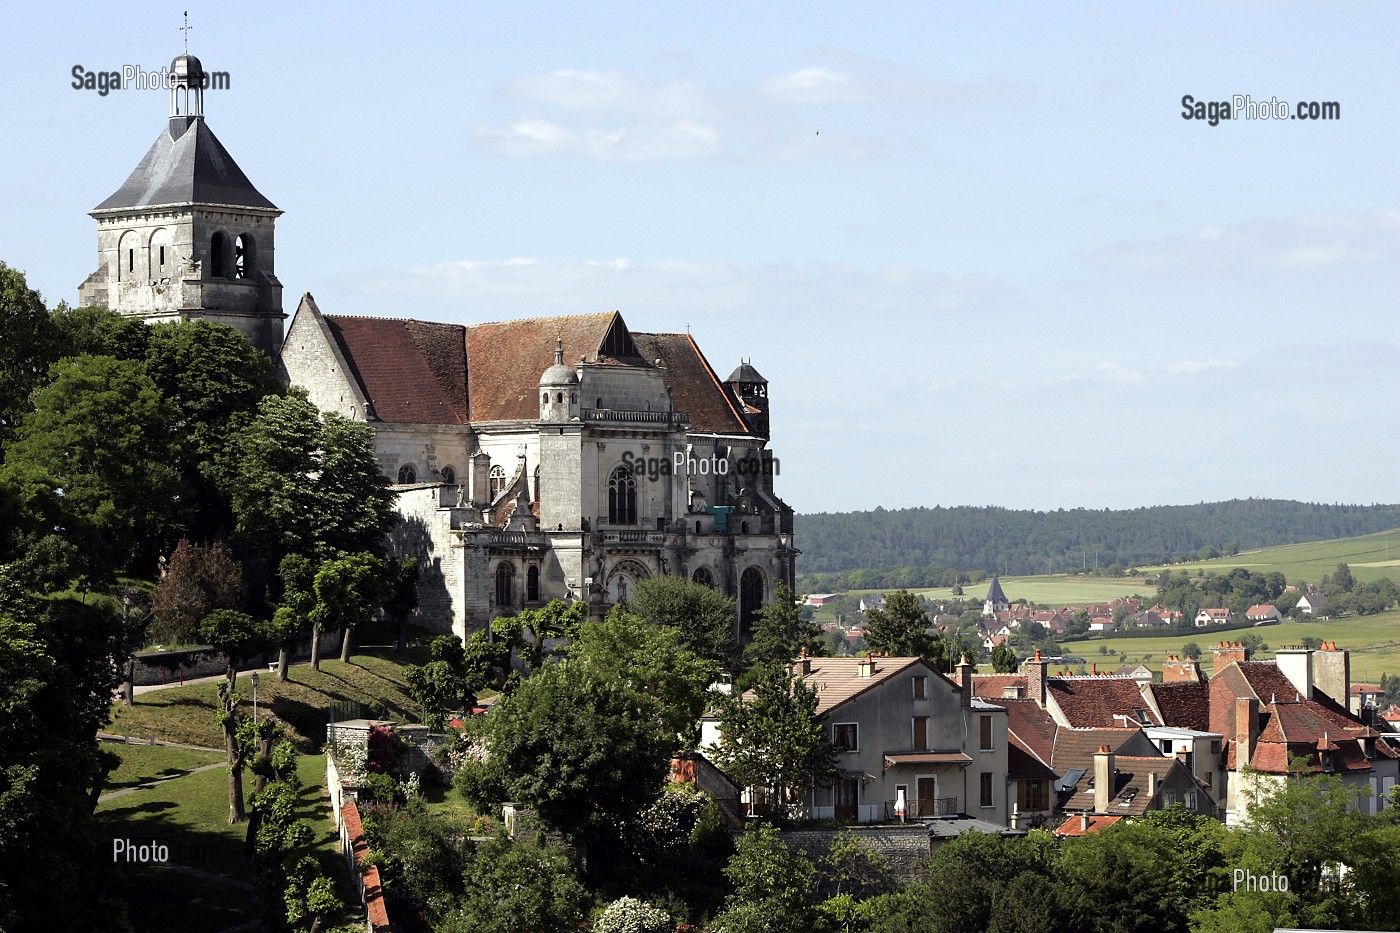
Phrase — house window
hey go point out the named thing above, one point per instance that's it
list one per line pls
(920, 688)
(844, 737)
(986, 723)
(1034, 796)
(622, 497)
(987, 789)
(920, 733)
(505, 584)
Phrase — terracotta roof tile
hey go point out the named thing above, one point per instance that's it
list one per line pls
(505, 359)
(1074, 825)
(1075, 748)
(1099, 701)
(1184, 705)
(1032, 726)
(404, 367)
(994, 686)
(695, 389)
(838, 679)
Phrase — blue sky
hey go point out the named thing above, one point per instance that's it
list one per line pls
(977, 251)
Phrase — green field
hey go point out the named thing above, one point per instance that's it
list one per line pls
(1056, 590)
(189, 815)
(186, 714)
(1370, 557)
(1374, 643)
(142, 763)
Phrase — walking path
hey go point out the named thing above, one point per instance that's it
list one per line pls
(147, 785)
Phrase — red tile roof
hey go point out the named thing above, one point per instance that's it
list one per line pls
(695, 389)
(1031, 726)
(410, 371)
(1099, 701)
(993, 686)
(1184, 705)
(1073, 825)
(1075, 748)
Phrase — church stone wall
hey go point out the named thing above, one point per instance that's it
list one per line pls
(425, 532)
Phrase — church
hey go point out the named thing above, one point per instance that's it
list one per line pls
(564, 457)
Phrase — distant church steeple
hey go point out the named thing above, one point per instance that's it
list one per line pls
(187, 236)
(750, 389)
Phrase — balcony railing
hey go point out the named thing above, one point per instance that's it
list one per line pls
(516, 539)
(635, 538)
(920, 809)
(635, 417)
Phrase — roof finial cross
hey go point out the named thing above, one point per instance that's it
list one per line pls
(186, 30)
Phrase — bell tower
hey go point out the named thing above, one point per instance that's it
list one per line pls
(750, 390)
(187, 236)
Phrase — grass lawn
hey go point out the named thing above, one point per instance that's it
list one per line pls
(1370, 557)
(1056, 590)
(190, 815)
(1374, 643)
(141, 763)
(186, 714)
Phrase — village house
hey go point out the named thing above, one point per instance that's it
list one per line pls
(1208, 617)
(913, 744)
(1265, 612)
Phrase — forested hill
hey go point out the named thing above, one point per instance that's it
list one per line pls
(1013, 541)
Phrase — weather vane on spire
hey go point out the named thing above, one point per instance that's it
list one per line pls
(186, 30)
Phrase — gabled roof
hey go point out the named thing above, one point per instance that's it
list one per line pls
(409, 371)
(1100, 701)
(1075, 748)
(1074, 826)
(505, 359)
(695, 389)
(186, 165)
(1128, 796)
(1183, 705)
(838, 680)
(994, 686)
(1021, 765)
(1031, 727)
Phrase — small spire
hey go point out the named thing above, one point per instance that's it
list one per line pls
(558, 351)
(186, 30)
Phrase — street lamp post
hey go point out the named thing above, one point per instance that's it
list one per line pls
(255, 702)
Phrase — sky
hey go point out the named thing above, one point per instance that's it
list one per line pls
(976, 249)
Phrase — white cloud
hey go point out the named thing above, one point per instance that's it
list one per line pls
(1192, 367)
(612, 92)
(528, 137)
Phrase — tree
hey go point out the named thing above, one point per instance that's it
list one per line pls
(652, 661)
(29, 346)
(198, 580)
(96, 457)
(587, 753)
(1191, 650)
(238, 637)
(518, 886)
(297, 575)
(773, 738)
(531, 629)
(779, 631)
(901, 628)
(1341, 581)
(347, 589)
(1004, 660)
(703, 615)
(450, 680)
(773, 885)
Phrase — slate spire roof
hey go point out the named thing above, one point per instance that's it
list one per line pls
(994, 592)
(186, 165)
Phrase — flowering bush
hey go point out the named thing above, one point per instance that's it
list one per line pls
(351, 760)
(629, 915)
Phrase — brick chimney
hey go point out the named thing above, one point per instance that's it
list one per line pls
(1035, 678)
(1332, 672)
(1181, 671)
(964, 679)
(804, 663)
(1297, 665)
(1226, 653)
(1246, 729)
(1104, 773)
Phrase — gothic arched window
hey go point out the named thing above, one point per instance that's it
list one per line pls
(498, 481)
(750, 598)
(505, 585)
(532, 584)
(538, 496)
(449, 476)
(408, 474)
(244, 256)
(703, 577)
(218, 253)
(622, 497)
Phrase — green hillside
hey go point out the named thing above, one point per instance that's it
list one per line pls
(1370, 557)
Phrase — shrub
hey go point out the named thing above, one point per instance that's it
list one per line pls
(629, 915)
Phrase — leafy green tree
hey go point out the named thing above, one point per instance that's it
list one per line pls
(652, 661)
(401, 594)
(297, 575)
(239, 638)
(447, 682)
(1191, 650)
(310, 895)
(779, 631)
(1004, 660)
(347, 590)
(771, 737)
(773, 886)
(703, 615)
(1341, 581)
(30, 344)
(516, 886)
(901, 628)
(587, 753)
(95, 457)
(533, 628)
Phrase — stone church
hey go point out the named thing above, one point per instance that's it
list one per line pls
(551, 458)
